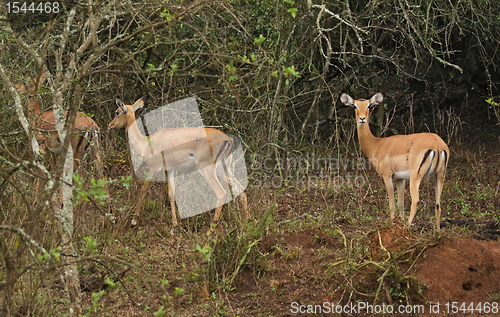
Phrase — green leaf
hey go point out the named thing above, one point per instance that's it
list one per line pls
(230, 67)
(174, 68)
(160, 311)
(166, 15)
(244, 58)
(126, 181)
(292, 11)
(259, 40)
(91, 244)
(290, 72)
(109, 282)
(491, 102)
(165, 282)
(177, 291)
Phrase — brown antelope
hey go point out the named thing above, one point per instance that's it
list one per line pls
(413, 157)
(179, 149)
(85, 130)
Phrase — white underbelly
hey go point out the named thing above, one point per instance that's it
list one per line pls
(186, 166)
(56, 150)
(402, 175)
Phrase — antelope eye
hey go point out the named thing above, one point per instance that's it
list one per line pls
(117, 113)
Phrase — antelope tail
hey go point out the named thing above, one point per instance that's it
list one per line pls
(224, 149)
(434, 165)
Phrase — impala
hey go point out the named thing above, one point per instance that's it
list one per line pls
(176, 150)
(413, 157)
(85, 130)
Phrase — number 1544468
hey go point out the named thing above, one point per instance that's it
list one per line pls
(32, 7)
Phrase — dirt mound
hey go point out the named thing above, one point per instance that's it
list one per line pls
(455, 272)
(307, 268)
(390, 239)
(461, 270)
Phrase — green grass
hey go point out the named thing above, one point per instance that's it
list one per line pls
(196, 274)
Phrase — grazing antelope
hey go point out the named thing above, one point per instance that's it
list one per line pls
(413, 157)
(85, 131)
(179, 149)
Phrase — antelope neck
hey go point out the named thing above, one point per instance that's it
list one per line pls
(367, 141)
(137, 141)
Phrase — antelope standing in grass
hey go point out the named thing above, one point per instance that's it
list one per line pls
(179, 149)
(85, 131)
(413, 157)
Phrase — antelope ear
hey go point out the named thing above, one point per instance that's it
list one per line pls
(120, 104)
(347, 100)
(376, 99)
(139, 103)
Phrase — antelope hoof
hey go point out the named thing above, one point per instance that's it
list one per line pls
(133, 223)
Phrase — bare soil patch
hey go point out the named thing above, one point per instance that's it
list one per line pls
(320, 246)
(295, 272)
(461, 270)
